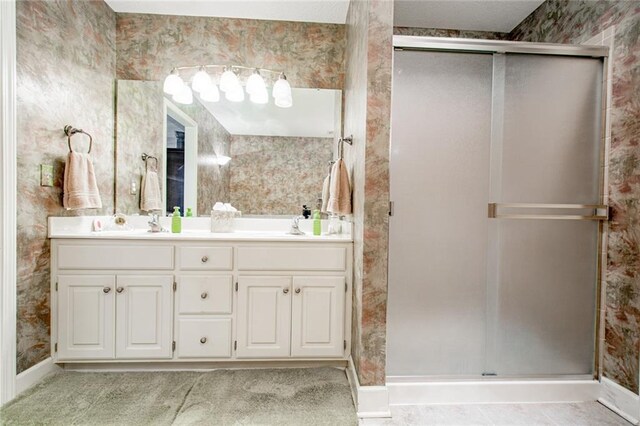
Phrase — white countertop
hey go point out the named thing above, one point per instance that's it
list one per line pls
(193, 229)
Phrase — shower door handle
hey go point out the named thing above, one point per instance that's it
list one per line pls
(533, 211)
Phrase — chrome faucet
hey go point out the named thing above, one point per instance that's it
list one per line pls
(295, 230)
(154, 224)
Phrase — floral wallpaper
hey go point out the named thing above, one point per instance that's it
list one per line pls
(438, 32)
(276, 175)
(139, 119)
(367, 117)
(149, 46)
(563, 21)
(65, 75)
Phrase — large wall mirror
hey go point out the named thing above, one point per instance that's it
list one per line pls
(263, 159)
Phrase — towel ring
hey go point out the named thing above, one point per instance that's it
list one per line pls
(70, 131)
(146, 158)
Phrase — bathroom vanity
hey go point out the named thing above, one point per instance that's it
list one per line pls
(253, 294)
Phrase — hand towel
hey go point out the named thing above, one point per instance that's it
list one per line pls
(80, 190)
(150, 198)
(325, 193)
(340, 190)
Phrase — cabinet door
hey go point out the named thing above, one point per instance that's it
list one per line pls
(86, 309)
(264, 317)
(317, 320)
(143, 316)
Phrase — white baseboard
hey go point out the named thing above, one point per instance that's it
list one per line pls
(620, 400)
(487, 392)
(35, 374)
(370, 401)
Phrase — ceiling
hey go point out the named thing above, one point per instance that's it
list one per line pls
(479, 15)
(327, 11)
(313, 114)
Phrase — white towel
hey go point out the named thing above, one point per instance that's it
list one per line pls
(325, 193)
(340, 190)
(80, 190)
(150, 198)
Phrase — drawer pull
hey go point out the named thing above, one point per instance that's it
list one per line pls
(120, 289)
(285, 290)
(204, 295)
(297, 291)
(106, 290)
(205, 259)
(203, 340)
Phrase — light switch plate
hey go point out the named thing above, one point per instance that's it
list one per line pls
(46, 175)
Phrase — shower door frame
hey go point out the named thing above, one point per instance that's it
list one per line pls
(459, 45)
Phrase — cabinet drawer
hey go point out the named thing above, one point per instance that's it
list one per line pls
(115, 257)
(292, 258)
(204, 338)
(206, 258)
(205, 294)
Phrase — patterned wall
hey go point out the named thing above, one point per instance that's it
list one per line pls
(437, 32)
(65, 71)
(149, 46)
(277, 175)
(139, 118)
(564, 21)
(367, 117)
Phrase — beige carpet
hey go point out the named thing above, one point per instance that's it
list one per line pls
(318, 396)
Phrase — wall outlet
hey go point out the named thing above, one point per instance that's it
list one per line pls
(46, 175)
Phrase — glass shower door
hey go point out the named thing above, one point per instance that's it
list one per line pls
(545, 196)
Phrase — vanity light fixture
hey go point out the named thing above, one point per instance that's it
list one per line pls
(204, 85)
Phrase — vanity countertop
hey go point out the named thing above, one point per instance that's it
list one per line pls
(193, 229)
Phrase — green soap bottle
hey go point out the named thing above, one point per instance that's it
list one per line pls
(189, 213)
(176, 221)
(317, 224)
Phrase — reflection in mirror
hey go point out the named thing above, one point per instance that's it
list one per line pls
(262, 159)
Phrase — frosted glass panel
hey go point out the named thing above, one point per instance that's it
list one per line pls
(544, 279)
(546, 293)
(551, 129)
(441, 131)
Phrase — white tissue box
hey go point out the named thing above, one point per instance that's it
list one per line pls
(222, 221)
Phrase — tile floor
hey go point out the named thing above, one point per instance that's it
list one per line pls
(575, 414)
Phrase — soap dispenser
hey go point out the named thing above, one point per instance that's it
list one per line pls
(189, 213)
(176, 221)
(317, 223)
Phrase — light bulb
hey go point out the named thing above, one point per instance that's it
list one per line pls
(201, 81)
(173, 83)
(185, 96)
(260, 96)
(281, 89)
(211, 94)
(284, 102)
(255, 83)
(228, 80)
(235, 94)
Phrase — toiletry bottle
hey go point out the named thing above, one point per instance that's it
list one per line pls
(176, 221)
(317, 224)
(189, 213)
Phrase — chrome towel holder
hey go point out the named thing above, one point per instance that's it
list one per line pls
(146, 157)
(70, 131)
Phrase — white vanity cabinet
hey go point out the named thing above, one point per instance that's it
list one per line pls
(164, 298)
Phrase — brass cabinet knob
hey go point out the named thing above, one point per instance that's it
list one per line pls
(106, 290)
(297, 290)
(204, 295)
(203, 340)
(120, 289)
(285, 290)
(205, 259)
